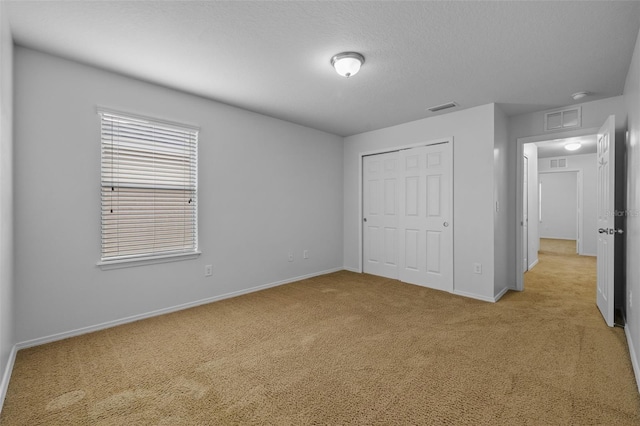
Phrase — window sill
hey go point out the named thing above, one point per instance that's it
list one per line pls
(141, 261)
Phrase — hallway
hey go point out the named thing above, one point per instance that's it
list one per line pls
(595, 358)
(563, 275)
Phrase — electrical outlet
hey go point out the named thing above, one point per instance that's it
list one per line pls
(305, 254)
(208, 270)
(290, 257)
(477, 268)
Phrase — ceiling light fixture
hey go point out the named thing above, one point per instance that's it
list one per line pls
(347, 64)
(579, 95)
(572, 146)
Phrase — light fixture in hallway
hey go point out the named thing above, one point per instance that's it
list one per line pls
(573, 146)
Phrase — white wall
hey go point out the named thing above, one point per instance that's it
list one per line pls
(266, 186)
(559, 204)
(504, 211)
(6, 197)
(533, 240)
(632, 232)
(473, 180)
(586, 163)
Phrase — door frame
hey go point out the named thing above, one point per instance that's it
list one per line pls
(361, 156)
(525, 197)
(519, 174)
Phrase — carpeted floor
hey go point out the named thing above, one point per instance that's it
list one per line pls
(346, 348)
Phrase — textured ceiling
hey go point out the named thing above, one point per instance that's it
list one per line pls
(273, 57)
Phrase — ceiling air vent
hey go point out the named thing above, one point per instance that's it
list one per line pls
(443, 106)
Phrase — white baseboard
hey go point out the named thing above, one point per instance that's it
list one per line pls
(114, 323)
(6, 377)
(474, 296)
(558, 238)
(534, 263)
(347, 268)
(493, 299)
(633, 356)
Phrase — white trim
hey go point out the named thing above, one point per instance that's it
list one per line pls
(114, 323)
(534, 263)
(6, 377)
(557, 238)
(493, 299)
(525, 224)
(474, 296)
(106, 265)
(360, 267)
(632, 355)
(347, 268)
(580, 213)
(519, 170)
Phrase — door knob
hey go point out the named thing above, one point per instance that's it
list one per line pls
(445, 224)
(611, 231)
(365, 219)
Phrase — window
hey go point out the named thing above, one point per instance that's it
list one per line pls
(149, 190)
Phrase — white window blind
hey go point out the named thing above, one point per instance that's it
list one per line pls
(149, 190)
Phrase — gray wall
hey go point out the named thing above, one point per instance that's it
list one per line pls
(559, 205)
(6, 198)
(266, 186)
(632, 103)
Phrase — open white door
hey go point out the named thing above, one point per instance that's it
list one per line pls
(606, 217)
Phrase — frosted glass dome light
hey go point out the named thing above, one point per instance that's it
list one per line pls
(347, 64)
(572, 146)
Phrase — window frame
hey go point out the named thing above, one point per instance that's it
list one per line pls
(150, 258)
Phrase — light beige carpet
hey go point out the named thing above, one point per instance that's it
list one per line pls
(346, 348)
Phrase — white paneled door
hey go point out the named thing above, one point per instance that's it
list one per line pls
(380, 210)
(418, 229)
(606, 217)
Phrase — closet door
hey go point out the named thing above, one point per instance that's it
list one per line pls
(380, 214)
(426, 216)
